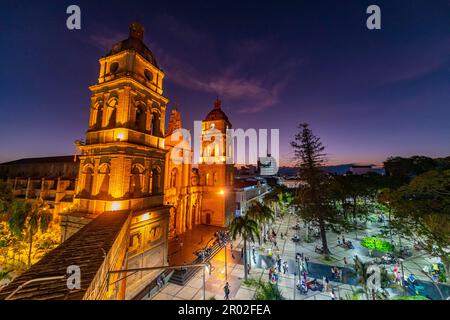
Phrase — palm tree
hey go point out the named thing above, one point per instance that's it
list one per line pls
(247, 229)
(265, 290)
(262, 214)
(31, 218)
(271, 198)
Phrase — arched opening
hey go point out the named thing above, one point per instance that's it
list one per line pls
(207, 179)
(135, 182)
(112, 108)
(105, 177)
(99, 117)
(156, 183)
(88, 180)
(155, 124)
(141, 118)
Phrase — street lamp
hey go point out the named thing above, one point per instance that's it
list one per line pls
(403, 273)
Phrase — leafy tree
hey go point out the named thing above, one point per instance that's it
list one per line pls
(385, 197)
(29, 218)
(248, 230)
(6, 197)
(422, 211)
(313, 197)
(5, 275)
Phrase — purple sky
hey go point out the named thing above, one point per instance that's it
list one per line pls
(367, 94)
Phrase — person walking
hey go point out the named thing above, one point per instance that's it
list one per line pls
(226, 290)
(332, 294)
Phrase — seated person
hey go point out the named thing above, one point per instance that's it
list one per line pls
(314, 285)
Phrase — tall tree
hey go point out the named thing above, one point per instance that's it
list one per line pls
(422, 211)
(27, 218)
(248, 230)
(313, 196)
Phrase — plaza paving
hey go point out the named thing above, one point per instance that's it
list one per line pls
(286, 250)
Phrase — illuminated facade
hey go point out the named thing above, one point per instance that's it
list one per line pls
(124, 186)
(215, 169)
(122, 161)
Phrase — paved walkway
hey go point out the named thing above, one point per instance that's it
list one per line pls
(286, 249)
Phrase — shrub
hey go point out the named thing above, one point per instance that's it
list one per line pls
(373, 243)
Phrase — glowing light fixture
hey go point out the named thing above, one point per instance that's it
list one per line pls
(120, 136)
(115, 206)
(222, 192)
(145, 216)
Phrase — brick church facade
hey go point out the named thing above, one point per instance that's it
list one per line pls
(121, 200)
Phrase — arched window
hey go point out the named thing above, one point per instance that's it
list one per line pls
(112, 112)
(156, 181)
(105, 177)
(99, 118)
(88, 180)
(135, 182)
(155, 124)
(141, 118)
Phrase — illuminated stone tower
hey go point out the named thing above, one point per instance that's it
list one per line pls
(122, 161)
(216, 176)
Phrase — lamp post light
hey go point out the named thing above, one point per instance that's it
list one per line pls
(403, 274)
(226, 263)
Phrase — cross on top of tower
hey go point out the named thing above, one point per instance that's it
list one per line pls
(136, 31)
(217, 103)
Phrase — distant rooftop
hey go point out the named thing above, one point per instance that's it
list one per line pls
(41, 160)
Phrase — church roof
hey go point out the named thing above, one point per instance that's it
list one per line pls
(135, 41)
(217, 113)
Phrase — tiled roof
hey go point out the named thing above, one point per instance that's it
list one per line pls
(84, 249)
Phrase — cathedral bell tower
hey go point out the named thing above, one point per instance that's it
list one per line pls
(216, 169)
(122, 159)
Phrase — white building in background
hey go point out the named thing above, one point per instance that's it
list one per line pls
(248, 190)
(267, 166)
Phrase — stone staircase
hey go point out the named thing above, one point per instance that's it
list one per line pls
(152, 288)
(182, 276)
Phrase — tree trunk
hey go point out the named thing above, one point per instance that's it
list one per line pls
(245, 260)
(390, 227)
(30, 249)
(323, 234)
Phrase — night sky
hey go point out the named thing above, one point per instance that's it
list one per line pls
(367, 94)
